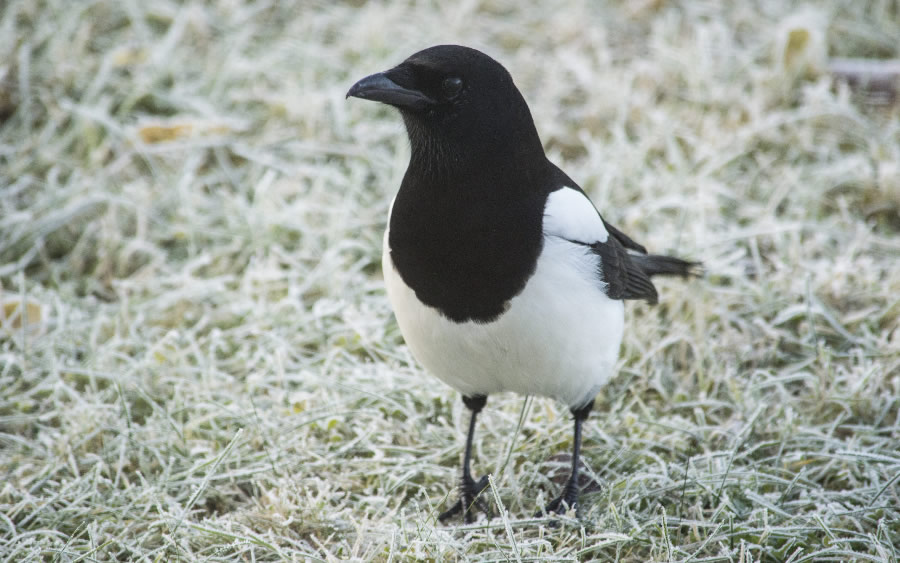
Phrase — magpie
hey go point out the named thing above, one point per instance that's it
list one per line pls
(502, 274)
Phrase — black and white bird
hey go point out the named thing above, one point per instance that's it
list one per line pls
(501, 272)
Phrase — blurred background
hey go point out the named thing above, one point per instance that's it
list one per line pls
(198, 361)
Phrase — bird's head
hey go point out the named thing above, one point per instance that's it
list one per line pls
(456, 102)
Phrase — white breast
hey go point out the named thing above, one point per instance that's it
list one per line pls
(559, 338)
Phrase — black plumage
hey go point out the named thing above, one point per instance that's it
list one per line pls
(490, 246)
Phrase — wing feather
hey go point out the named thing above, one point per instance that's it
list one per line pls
(570, 215)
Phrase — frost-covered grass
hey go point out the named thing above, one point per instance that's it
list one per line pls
(209, 368)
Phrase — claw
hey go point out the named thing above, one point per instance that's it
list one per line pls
(468, 497)
(555, 506)
(561, 504)
(451, 512)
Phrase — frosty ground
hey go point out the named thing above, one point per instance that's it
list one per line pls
(208, 368)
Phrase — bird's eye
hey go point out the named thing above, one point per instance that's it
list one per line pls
(451, 87)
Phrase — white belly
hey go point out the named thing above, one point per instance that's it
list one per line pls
(559, 338)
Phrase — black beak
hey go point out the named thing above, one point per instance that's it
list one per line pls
(380, 88)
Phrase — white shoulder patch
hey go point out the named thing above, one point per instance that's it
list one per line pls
(569, 214)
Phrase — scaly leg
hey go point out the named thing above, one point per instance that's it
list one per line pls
(469, 488)
(569, 496)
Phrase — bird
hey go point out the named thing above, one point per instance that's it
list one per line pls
(502, 274)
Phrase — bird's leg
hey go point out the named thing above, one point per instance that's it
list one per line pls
(569, 496)
(469, 488)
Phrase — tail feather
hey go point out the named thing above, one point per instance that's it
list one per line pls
(658, 265)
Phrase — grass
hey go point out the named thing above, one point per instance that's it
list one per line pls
(207, 367)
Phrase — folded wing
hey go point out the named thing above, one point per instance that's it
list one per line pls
(570, 215)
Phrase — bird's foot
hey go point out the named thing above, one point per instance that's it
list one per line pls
(561, 504)
(469, 499)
